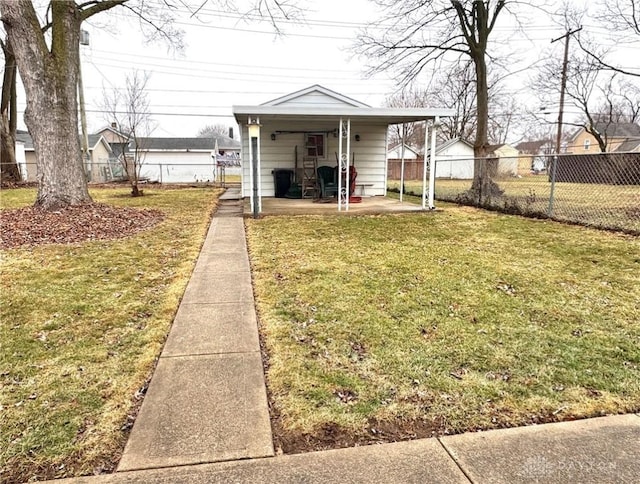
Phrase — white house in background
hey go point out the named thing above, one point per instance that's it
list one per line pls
(454, 159)
(99, 157)
(185, 160)
(508, 158)
(320, 123)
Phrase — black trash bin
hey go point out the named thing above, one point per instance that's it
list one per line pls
(282, 179)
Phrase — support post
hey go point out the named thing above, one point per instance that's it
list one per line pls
(424, 165)
(344, 132)
(253, 128)
(402, 161)
(432, 165)
(340, 166)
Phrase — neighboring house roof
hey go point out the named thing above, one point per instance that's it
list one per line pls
(532, 147)
(491, 148)
(24, 138)
(94, 139)
(305, 96)
(113, 130)
(188, 144)
(613, 130)
(317, 103)
(397, 148)
(448, 143)
(631, 144)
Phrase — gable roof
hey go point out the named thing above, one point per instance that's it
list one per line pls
(398, 147)
(315, 94)
(112, 129)
(532, 147)
(184, 144)
(25, 138)
(450, 142)
(613, 130)
(319, 104)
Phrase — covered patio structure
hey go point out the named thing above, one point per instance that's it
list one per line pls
(286, 143)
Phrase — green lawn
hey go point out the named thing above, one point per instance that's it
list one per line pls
(82, 326)
(607, 206)
(395, 326)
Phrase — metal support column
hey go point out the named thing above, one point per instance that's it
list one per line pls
(432, 164)
(253, 130)
(424, 165)
(404, 133)
(343, 160)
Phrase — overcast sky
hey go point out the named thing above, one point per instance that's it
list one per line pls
(228, 61)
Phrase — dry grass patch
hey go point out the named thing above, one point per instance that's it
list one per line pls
(82, 325)
(388, 327)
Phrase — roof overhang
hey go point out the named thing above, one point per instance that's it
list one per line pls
(381, 116)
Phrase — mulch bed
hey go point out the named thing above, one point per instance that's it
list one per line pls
(32, 226)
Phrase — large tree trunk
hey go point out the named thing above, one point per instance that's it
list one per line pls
(50, 81)
(483, 187)
(9, 171)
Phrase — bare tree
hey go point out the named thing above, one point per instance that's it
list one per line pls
(413, 134)
(48, 65)
(454, 88)
(602, 100)
(622, 19)
(419, 33)
(8, 116)
(129, 110)
(213, 129)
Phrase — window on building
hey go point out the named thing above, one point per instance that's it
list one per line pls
(587, 143)
(315, 144)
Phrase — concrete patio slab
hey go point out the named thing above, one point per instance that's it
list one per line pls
(201, 329)
(420, 461)
(215, 262)
(602, 450)
(223, 287)
(201, 409)
(368, 205)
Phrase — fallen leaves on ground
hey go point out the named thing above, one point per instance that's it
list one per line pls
(31, 226)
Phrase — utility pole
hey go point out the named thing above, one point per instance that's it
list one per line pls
(84, 40)
(563, 88)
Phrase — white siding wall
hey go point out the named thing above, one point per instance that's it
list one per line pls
(177, 167)
(455, 161)
(370, 153)
(21, 161)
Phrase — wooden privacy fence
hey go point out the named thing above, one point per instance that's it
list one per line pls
(412, 169)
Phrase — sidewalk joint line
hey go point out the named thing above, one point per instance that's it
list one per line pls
(195, 355)
(455, 461)
(193, 464)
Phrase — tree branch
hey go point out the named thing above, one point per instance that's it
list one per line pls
(94, 7)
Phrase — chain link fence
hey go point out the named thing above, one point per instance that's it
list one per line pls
(599, 190)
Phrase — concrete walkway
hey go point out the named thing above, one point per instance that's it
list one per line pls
(207, 399)
(205, 417)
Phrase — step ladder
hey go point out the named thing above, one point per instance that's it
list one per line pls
(309, 184)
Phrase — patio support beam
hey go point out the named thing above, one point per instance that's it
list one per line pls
(253, 129)
(424, 165)
(432, 164)
(344, 135)
(404, 133)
